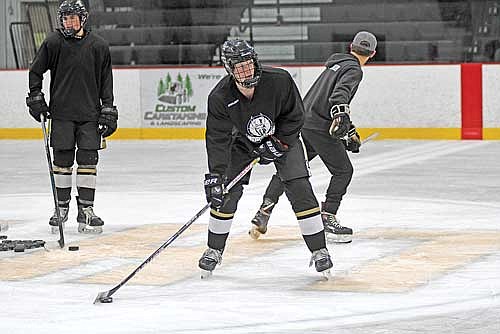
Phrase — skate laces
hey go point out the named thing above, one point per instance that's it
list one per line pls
(332, 220)
(319, 254)
(213, 254)
(62, 212)
(89, 212)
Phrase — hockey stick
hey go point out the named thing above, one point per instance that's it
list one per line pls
(370, 137)
(52, 182)
(105, 297)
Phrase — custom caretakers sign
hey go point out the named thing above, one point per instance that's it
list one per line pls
(176, 98)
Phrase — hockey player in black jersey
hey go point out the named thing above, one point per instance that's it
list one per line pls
(81, 108)
(256, 111)
(328, 133)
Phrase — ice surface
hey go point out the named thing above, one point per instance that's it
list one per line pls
(425, 256)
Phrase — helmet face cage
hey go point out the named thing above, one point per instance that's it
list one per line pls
(72, 7)
(239, 51)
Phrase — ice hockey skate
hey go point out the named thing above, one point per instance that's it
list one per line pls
(208, 261)
(335, 232)
(259, 222)
(54, 220)
(322, 262)
(88, 221)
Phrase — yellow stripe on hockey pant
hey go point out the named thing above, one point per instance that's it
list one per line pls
(307, 212)
(221, 214)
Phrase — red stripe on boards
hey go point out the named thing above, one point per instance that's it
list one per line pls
(472, 101)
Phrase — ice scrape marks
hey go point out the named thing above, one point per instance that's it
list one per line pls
(438, 253)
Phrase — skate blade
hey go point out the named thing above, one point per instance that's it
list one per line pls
(254, 233)
(86, 229)
(338, 238)
(205, 274)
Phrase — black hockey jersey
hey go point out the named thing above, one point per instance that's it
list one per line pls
(337, 84)
(80, 75)
(275, 109)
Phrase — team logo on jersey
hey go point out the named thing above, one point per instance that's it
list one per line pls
(259, 127)
(335, 67)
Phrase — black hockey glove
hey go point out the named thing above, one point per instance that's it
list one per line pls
(269, 150)
(352, 142)
(37, 105)
(108, 120)
(340, 120)
(214, 189)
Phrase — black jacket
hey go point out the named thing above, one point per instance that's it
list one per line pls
(276, 108)
(80, 75)
(337, 84)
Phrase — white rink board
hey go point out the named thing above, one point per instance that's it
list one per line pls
(414, 96)
(491, 96)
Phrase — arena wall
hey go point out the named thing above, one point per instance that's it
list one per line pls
(457, 101)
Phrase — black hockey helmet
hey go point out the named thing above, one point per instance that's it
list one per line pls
(72, 7)
(237, 51)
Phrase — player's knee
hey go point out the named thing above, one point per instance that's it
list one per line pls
(299, 186)
(231, 199)
(348, 171)
(87, 157)
(300, 194)
(64, 158)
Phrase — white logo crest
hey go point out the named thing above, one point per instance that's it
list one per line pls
(259, 127)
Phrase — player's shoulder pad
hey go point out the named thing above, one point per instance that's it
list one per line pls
(221, 87)
(54, 37)
(276, 74)
(275, 71)
(97, 39)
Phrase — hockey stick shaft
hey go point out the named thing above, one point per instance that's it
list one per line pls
(174, 236)
(52, 182)
(370, 137)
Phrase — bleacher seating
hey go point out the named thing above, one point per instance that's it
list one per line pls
(154, 32)
(408, 31)
(151, 32)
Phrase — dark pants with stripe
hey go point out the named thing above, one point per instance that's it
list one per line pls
(293, 171)
(333, 154)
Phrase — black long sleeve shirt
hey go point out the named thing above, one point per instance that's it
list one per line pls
(81, 78)
(275, 109)
(337, 84)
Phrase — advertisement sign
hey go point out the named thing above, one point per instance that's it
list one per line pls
(176, 97)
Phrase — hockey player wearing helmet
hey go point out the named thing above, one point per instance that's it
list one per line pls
(81, 108)
(256, 111)
(328, 133)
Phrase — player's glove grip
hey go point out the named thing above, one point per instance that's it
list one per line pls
(37, 105)
(214, 189)
(352, 142)
(270, 150)
(340, 120)
(108, 120)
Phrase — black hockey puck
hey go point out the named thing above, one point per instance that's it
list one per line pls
(73, 248)
(38, 243)
(106, 300)
(19, 248)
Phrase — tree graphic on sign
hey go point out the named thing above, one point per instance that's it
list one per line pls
(188, 86)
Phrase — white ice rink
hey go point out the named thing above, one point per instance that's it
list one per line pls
(425, 256)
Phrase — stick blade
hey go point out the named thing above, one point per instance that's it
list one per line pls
(102, 296)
